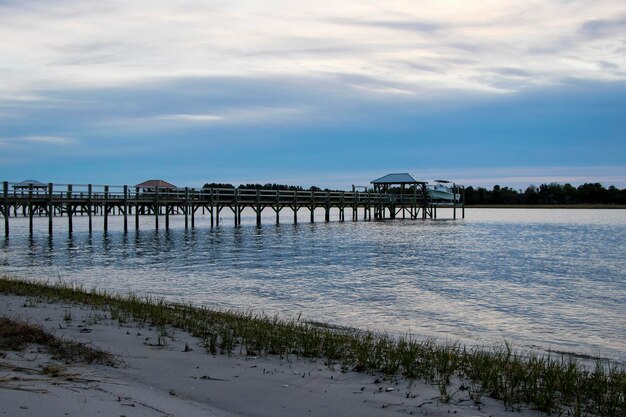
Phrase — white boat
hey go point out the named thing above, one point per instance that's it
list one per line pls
(442, 192)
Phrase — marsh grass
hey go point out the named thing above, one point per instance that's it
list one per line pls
(557, 385)
(17, 336)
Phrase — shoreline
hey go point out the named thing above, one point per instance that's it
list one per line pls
(549, 206)
(449, 377)
(165, 371)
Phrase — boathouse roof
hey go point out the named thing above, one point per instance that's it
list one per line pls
(29, 183)
(401, 178)
(155, 184)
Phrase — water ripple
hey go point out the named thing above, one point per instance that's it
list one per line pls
(549, 278)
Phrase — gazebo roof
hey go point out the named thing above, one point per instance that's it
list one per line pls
(29, 183)
(401, 178)
(155, 184)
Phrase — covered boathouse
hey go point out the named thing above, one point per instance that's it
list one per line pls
(407, 196)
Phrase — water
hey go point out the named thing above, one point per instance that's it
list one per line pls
(545, 279)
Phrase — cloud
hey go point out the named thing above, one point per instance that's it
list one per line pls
(402, 25)
(41, 140)
(191, 117)
(49, 140)
(600, 28)
(312, 85)
(512, 72)
(120, 44)
(608, 65)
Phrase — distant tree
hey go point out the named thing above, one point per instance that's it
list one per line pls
(592, 193)
(531, 196)
(547, 193)
(270, 186)
(217, 185)
(570, 194)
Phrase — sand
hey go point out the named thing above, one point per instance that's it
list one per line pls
(173, 375)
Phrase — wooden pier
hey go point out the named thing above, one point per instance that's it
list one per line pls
(71, 200)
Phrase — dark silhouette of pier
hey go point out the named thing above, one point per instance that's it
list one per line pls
(71, 200)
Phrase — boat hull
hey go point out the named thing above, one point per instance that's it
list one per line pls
(444, 196)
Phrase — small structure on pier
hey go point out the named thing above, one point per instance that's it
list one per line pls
(382, 184)
(30, 185)
(414, 199)
(154, 185)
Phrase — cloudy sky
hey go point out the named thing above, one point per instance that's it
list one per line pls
(329, 93)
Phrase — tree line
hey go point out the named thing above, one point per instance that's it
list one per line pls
(545, 194)
(553, 193)
(268, 186)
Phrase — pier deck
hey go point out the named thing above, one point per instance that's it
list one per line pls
(69, 200)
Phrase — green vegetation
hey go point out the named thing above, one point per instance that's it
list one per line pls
(546, 194)
(551, 384)
(15, 335)
(268, 186)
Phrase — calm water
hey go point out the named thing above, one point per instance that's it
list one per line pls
(538, 278)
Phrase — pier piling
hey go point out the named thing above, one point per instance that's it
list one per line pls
(126, 209)
(101, 200)
(6, 209)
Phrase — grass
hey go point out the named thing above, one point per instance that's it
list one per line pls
(16, 335)
(553, 385)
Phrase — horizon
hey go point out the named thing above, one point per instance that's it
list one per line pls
(489, 187)
(322, 94)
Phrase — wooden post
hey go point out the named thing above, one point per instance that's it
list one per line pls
(30, 208)
(327, 207)
(70, 221)
(186, 208)
(5, 192)
(236, 211)
(136, 208)
(156, 208)
(50, 208)
(167, 216)
(106, 208)
(258, 207)
(424, 201)
(212, 207)
(277, 207)
(342, 213)
(126, 209)
(414, 203)
(453, 203)
(463, 202)
(193, 215)
(90, 206)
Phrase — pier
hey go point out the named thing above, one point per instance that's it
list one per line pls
(55, 201)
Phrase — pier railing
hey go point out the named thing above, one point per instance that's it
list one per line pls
(84, 192)
(70, 200)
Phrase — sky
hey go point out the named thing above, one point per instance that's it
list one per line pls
(330, 93)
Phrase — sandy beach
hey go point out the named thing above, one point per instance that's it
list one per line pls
(166, 372)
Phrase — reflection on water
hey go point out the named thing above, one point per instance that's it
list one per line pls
(546, 278)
